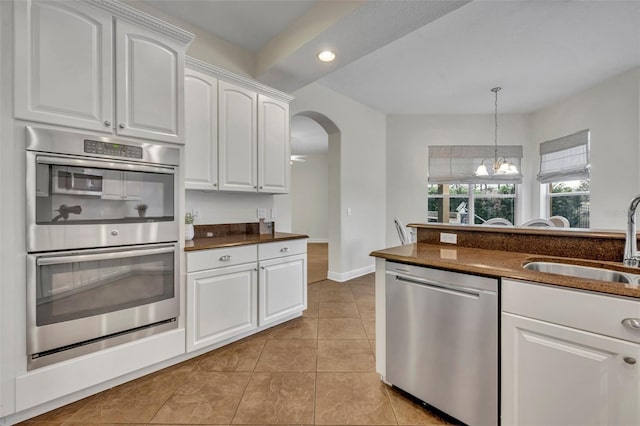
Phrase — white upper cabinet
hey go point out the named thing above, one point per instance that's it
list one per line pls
(241, 143)
(149, 84)
(64, 69)
(237, 137)
(201, 130)
(273, 145)
(73, 69)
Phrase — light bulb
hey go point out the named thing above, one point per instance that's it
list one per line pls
(326, 56)
(482, 170)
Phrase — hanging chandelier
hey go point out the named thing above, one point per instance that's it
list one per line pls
(500, 165)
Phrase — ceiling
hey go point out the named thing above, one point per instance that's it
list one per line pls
(432, 57)
(428, 56)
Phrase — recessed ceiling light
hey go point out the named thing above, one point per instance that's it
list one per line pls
(326, 56)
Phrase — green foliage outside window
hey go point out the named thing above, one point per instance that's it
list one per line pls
(574, 207)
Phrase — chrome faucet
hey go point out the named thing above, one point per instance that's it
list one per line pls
(631, 257)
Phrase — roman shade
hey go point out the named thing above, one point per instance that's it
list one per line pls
(458, 163)
(565, 158)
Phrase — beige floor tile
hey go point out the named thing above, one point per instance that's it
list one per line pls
(134, 402)
(299, 328)
(204, 398)
(364, 298)
(367, 310)
(238, 356)
(337, 294)
(345, 355)
(352, 399)
(373, 346)
(341, 328)
(288, 356)
(277, 398)
(338, 310)
(409, 412)
(312, 310)
(370, 328)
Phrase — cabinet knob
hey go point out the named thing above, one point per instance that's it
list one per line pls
(255, 186)
(225, 258)
(629, 360)
(632, 323)
(284, 249)
(121, 125)
(115, 232)
(107, 123)
(261, 187)
(215, 184)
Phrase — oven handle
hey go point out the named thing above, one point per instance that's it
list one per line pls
(115, 165)
(57, 260)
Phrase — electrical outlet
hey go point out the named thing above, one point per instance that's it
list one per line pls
(262, 213)
(448, 238)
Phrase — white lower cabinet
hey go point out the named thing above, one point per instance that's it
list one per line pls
(222, 303)
(227, 297)
(555, 374)
(282, 288)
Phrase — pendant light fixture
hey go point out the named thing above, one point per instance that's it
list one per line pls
(500, 165)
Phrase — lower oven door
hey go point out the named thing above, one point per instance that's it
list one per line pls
(82, 296)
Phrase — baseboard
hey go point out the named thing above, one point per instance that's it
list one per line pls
(317, 240)
(346, 276)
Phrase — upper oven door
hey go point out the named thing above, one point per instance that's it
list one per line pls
(78, 202)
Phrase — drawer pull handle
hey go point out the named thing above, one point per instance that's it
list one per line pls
(284, 249)
(629, 360)
(633, 323)
(225, 258)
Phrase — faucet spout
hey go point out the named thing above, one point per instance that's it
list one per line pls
(631, 257)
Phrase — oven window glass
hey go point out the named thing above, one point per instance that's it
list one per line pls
(74, 290)
(94, 196)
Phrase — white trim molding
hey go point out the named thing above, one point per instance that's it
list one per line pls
(135, 16)
(239, 80)
(346, 276)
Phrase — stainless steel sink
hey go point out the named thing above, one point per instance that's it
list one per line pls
(579, 271)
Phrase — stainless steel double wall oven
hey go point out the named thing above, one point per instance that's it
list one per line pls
(102, 242)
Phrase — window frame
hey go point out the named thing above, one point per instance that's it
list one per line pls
(471, 198)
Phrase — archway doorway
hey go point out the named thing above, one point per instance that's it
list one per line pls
(315, 190)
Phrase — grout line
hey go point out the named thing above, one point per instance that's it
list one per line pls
(393, 408)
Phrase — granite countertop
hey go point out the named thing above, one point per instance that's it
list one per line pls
(238, 240)
(497, 263)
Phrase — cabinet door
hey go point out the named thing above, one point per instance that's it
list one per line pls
(555, 375)
(282, 288)
(237, 138)
(63, 65)
(221, 303)
(273, 146)
(149, 85)
(201, 131)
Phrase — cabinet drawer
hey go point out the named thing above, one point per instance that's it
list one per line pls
(216, 258)
(282, 248)
(597, 313)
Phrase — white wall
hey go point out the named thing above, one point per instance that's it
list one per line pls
(361, 173)
(407, 163)
(228, 207)
(611, 111)
(310, 197)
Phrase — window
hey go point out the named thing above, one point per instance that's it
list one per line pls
(463, 201)
(456, 194)
(570, 199)
(564, 172)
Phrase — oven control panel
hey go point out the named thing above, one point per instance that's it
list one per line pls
(109, 148)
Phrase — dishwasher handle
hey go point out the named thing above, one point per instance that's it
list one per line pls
(462, 291)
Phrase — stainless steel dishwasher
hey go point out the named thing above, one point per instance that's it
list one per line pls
(442, 340)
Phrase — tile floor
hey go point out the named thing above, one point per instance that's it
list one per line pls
(318, 369)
